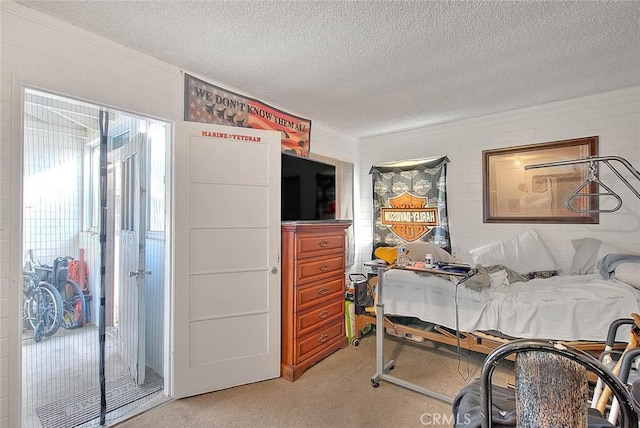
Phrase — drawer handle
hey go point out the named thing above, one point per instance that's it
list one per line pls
(323, 314)
(323, 338)
(323, 291)
(323, 267)
(323, 243)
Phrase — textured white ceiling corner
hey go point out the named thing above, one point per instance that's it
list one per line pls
(374, 67)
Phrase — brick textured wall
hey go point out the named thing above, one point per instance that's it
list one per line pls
(613, 116)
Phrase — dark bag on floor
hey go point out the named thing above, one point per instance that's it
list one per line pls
(467, 408)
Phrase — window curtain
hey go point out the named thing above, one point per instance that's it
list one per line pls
(412, 195)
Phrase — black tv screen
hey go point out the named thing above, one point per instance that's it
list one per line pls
(308, 189)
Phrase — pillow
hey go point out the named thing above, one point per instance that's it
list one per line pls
(587, 253)
(606, 248)
(608, 265)
(419, 249)
(523, 253)
(629, 273)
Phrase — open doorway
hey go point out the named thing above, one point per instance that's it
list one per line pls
(84, 246)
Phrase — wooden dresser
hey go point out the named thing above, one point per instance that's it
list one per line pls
(313, 286)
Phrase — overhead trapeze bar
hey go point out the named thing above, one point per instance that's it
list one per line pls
(592, 177)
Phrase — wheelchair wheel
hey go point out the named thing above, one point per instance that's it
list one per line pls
(73, 304)
(44, 310)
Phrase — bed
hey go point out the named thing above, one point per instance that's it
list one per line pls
(571, 308)
(577, 308)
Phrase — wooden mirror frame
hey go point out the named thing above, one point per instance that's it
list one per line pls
(506, 183)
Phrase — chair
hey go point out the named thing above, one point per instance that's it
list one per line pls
(472, 405)
(621, 367)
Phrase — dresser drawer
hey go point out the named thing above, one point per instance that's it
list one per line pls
(313, 319)
(318, 340)
(312, 245)
(314, 294)
(316, 269)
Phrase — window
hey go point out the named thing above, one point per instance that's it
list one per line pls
(129, 191)
(155, 134)
(119, 140)
(92, 186)
(156, 179)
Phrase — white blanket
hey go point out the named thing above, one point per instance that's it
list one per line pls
(579, 307)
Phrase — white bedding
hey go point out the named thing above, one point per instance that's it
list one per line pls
(579, 307)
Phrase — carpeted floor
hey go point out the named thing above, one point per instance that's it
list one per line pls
(337, 392)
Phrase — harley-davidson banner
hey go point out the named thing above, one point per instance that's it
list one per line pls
(208, 103)
(409, 217)
(409, 202)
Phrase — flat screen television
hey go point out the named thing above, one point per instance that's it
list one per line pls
(308, 189)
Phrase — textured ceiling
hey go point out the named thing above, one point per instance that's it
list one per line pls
(374, 67)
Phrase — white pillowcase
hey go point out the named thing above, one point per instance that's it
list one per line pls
(629, 273)
(523, 253)
(588, 251)
(585, 255)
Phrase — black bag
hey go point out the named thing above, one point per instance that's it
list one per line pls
(60, 270)
(467, 408)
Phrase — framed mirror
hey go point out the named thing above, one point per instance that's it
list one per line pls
(513, 194)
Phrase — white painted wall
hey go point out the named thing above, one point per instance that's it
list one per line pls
(43, 52)
(613, 116)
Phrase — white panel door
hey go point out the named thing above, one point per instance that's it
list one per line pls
(131, 329)
(226, 329)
